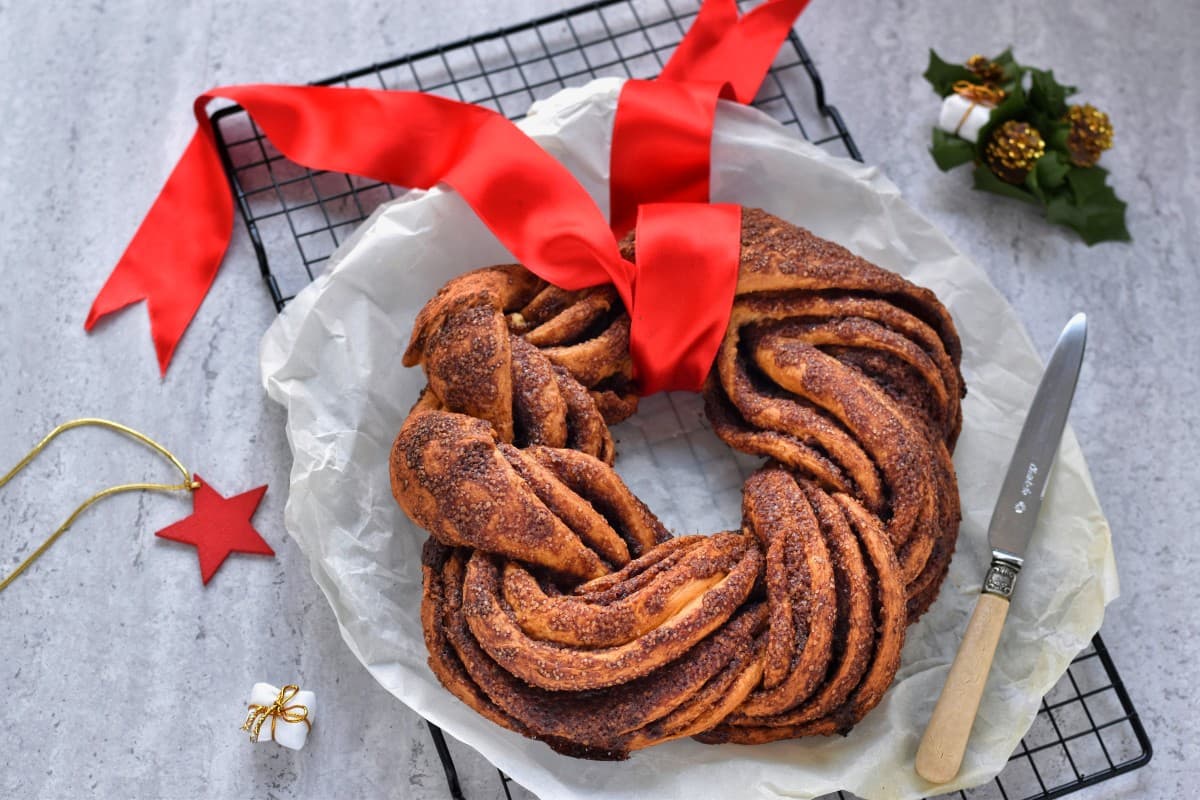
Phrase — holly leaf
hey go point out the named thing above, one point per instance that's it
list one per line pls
(1048, 95)
(1088, 183)
(949, 150)
(986, 180)
(1035, 188)
(1012, 70)
(942, 75)
(1091, 207)
(1054, 132)
(1051, 170)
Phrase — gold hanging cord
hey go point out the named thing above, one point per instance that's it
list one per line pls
(187, 483)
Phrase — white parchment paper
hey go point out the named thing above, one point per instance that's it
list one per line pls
(332, 358)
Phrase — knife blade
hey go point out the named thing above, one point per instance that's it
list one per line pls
(1020, 500)
(1014, 519)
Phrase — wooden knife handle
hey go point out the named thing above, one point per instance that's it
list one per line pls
(945, 740)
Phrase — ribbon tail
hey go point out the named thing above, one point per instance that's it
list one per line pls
(714, 21)
(122, 288)
(721, 48)
(249, 723)
(173, 258)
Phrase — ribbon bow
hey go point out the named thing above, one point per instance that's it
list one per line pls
(680, 291)
(986, 94)
(279, 709)
(662, 134)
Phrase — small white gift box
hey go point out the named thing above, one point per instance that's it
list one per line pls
(281, 715)
(963, 116)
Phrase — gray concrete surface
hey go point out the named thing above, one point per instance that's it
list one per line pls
(122, 677)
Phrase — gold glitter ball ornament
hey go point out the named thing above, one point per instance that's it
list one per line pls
(1013, 150)
(986, 71)
(1091, 134)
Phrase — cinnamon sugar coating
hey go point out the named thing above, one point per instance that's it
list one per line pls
(556, 604)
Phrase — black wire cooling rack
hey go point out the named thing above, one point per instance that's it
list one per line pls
(1086, 731)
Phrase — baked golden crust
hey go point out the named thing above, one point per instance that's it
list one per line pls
(451, 478)
(889, 622)
(800, 589)
(583, 621)
(710, 600)
(501, 345)
(557, 605)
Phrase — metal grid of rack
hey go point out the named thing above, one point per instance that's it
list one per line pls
(1087, 730)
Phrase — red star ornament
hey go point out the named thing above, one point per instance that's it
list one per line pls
(219, 526)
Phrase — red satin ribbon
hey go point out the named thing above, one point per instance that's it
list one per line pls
(722, 48)
(679, 294)
(531, 202)
(684, 291)
(662, 139)
(661, 154)
(662, 135)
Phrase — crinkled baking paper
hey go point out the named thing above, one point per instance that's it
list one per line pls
(332, 358)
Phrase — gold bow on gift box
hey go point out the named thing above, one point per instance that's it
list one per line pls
(987, 94)
(980, 94)
(279, 709)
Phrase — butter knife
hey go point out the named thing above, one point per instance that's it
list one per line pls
(945, 741)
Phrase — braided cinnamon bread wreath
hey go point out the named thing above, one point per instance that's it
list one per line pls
(558, 606)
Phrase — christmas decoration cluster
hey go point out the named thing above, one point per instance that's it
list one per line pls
(1013, 122)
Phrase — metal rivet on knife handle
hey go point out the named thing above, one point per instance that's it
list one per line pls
(1001, 578)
